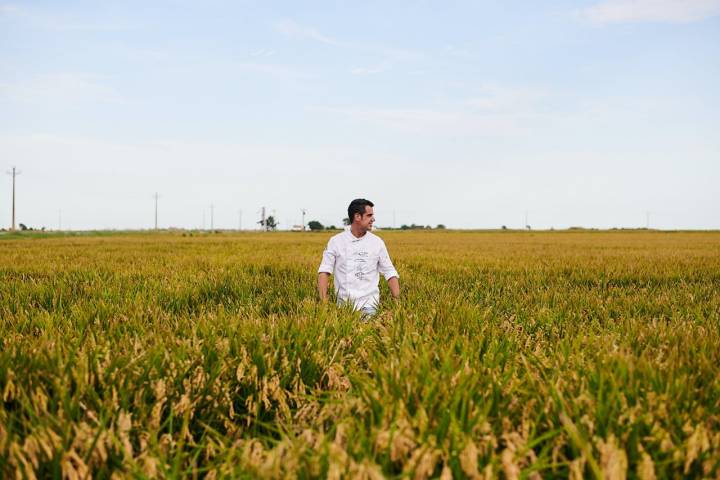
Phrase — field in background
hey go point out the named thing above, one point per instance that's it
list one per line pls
(511, 354)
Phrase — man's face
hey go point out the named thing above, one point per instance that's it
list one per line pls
(367, 219)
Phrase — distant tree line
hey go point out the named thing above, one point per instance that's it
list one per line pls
(270, 223)
(315, 226)
(440, 226)
(24, 228)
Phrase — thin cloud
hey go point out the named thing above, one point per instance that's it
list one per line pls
(496, 98)
(262, 53)
(145, 54)
(272, 70)
(495, 110)
(669, 11)
(8, 9)
(47, 20)
(59, 88)
(431, 122)
(372, 70)
(388, 55)
(395, 54)
(293, 29)
(453, 51)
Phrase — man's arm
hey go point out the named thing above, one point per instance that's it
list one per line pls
(323, 282)
(394, 285)
(327, 266)
(388, 271)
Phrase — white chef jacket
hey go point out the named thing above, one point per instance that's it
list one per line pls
(356, 264)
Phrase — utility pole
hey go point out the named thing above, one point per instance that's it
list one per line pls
(239, 220)
(647, 220)
(59, 220)
(156, 196)
(262, 219)
(303, 217)
(14, 174)
(212, 217)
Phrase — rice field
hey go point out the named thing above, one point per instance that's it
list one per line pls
(510, 355)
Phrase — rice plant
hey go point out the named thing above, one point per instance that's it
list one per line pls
(510, 355)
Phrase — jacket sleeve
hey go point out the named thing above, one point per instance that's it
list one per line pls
(385, 265)
(327, 264)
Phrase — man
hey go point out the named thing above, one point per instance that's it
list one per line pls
(356, 257)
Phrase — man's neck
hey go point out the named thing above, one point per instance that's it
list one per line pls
(357, 231)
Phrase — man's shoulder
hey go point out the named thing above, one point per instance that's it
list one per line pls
(375, 238)
(338, 237)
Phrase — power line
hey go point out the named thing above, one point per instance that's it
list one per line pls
(14, 174)
(303, 218)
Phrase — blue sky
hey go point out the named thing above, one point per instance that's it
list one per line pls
(464, 113)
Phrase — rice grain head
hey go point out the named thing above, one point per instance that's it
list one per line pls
(613, 459)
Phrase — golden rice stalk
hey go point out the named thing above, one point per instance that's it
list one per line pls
(40, 401)
(254, 453)
(577, 467)
(85, 436)
(510, 468)
(446, 473)
(9, 391)
(697, 443)
(31, 450)
(41, 445)
(183, 405)
(341, 435)
(401, 440)
(423, 462)
(488, 473)
(73, 467)
(367, 470)
(613, 459)
(124, 424)
(338, 459)
(3, 437)
(469, 460)
(23, 468)
(402, 444)
(337, 379)
(646, 467)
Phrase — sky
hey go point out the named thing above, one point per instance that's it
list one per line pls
(473, 114)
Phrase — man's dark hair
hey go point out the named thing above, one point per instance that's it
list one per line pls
(358, 206)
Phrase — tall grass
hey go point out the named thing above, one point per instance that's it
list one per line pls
(515, 355)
